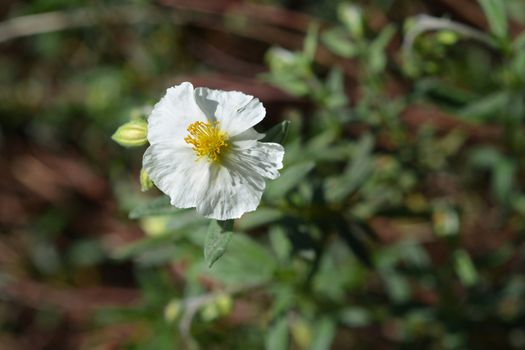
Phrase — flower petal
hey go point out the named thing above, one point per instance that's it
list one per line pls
(265, 158)
(172, 114)
(176, 172)
(236, 112)
(246, 139)
(232, 191)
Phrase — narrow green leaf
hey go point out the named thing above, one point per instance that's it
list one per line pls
(356, 173)
(337, 41)
(289, 179)
(310, 43)
(353, 242)
(486, 107)
(397, 286)
(352, 18)
(217, 239)
(247, 262)
(496, 15)
(503, 179)
(277, 336)
(377, 56)
(355, 317)
(277, 133)
(323, 335)
(519, 42)
(281, 245)
(260, 217)
(158, 206)
(465, 268)
(485, 157)
(139, 247)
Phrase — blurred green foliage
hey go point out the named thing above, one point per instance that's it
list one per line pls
(397, 221)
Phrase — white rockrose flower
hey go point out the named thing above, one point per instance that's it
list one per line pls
(204, 152)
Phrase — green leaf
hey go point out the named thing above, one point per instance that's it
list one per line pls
(281, 245)
(356, 173)
(291, 84)
(336, 95)
(352, 18)
(397, 286)
(355, 317)
(349, 236)
(465, 268)
(337, 41)
(277, 133)
(158, 206)
(289, 179)
(217, 239)
(277, 336)
(519, 42)
(140, 247)
(496, 15)
(323, 335)
(485, 157)
(310, 42)
(503, 179)
(260, 217)
(485, 108)
(247, 262)
(377, 57)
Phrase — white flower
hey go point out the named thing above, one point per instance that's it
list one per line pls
(204, 152)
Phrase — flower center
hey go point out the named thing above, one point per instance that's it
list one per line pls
(207, 139)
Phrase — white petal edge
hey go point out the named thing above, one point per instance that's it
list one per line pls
(231, 192)
(176, 171)
(265, 158)
(171, 116)
(236, 112)
(236, 186)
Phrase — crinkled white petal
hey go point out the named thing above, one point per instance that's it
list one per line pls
(169, 119)
(246, 139)
(265, 158)
(236, 112)
(236, 186)
(232, 191)
(178, 173)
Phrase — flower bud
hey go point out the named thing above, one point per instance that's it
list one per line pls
(210, 312)
(145, 181)
(172, 310)
(132, 134)
(224, 304)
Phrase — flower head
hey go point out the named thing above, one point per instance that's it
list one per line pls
(204, 152)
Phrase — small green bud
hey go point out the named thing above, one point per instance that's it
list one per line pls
(132, 134)
(145, 181)
(210, 312)
(447, 37)
(224, 304)
(154, 226)
(172, 310)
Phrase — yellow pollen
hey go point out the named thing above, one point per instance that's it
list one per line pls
(207, 140)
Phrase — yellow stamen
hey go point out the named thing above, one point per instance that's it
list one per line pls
(207, 139)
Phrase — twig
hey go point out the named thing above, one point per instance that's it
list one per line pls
(193, 304)
(426, 23)
(60, 20)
